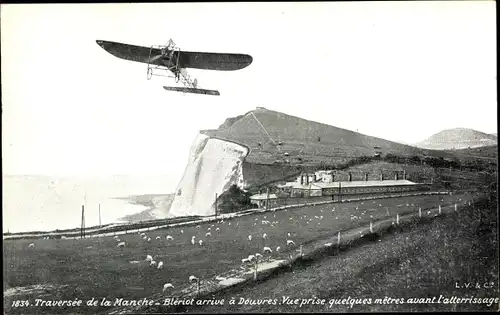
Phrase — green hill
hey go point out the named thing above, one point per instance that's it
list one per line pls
(275, 137)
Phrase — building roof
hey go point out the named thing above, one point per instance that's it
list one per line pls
(263, 196)
(369, 183)
(310, 186)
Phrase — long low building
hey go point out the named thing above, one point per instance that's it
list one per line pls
(350, 187)
(370, 186)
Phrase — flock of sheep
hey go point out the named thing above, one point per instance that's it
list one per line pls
(268, 225)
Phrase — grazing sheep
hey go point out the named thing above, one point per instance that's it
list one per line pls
(278, 248)
(170, 238)
(149, 258)
(192, 240)
(143, 234)
(115, 237)
(245, 260)
(160, 265)
(290, 242)
(158, 237)
(121, 244)
(230, 223)
(267, 250)
(258, 256)
(118, 240)
(31, 245)
(193, 279)
(250, 237)
(208, 234)
(197, 226)
(167, 286)
(251, 257)
(328, 244)
(264, 235)
(289, 234)
(201, 243)
(217, 229)
(153, 263)
(149, 239)
(182, 231)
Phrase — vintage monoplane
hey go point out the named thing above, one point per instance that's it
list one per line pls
(170, 61)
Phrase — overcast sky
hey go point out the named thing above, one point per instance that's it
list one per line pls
(400, 71)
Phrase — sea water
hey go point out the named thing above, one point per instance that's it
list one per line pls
(46, 203)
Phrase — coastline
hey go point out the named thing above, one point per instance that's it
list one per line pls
(155, 204)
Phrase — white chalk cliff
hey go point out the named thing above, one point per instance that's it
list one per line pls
(214, 165)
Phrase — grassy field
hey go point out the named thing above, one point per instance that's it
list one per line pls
(423, 260)
(69, 269)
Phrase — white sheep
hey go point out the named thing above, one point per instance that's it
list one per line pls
(200, 242)
(193, 279)
(249, 237)
(31, 245)
(149, 258)
(153, 263)
(264, 235)
(192, 240)
(158, 237)
(208, 234)
(328, 244)
(230, 223)
(251, 257)
(258, 256)
(217, 229)
(267, 249)
(208, 229)
(182, 231)
(160, 265)
(278, 248)
(143, 234)
(289, 234)
(197, 226)
(149, 239)
(170, 238)
(115, 237)
(290, 242)
(121, 244)
(245, 260)
(167, 286)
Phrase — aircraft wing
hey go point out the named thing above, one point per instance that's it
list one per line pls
(187, 59)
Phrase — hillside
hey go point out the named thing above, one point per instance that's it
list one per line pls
(458, 138)
(278, 138)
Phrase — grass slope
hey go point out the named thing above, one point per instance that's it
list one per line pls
(310, 141)
(97, 268)
(423, 260)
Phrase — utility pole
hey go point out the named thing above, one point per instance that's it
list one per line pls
(340, 192)
(267, 202)
(216, 206)
(82, 230)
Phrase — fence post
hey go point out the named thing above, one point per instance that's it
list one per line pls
(301, 252)
(371, 227)
(338, 238)
(420, 212)
(455, 207)
(439, 209)
(397, 218)
(255, 270)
